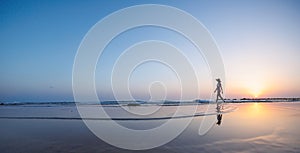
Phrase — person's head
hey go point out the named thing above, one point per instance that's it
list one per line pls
(218, 80)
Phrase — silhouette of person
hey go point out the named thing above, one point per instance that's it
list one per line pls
(219, 90)
(219, 116)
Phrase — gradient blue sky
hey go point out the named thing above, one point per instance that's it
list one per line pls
(258, 41)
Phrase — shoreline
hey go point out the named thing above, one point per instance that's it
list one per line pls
(144, 103)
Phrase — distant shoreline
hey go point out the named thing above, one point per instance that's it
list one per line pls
(163, 103)
(263, 100)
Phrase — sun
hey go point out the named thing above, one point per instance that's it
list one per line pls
(255, 90)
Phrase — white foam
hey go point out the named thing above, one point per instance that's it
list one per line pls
(115, 113)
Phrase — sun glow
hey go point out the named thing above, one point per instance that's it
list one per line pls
(255, 89)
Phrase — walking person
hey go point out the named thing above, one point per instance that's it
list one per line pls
(219, 90)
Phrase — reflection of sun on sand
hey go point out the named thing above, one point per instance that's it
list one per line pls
(257, 110)
(256, 144)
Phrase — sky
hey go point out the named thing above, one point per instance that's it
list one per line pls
(258, 42)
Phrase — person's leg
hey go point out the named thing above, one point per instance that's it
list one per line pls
(218, 96)
(222, 100)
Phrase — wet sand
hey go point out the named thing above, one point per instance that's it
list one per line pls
(254, 127)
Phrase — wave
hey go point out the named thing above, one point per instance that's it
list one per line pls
(228, 109)
(105, 103)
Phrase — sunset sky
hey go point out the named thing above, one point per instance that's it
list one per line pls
(259, 42)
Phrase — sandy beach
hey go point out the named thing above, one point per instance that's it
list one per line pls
(253, 127)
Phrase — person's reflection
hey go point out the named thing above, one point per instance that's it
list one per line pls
(219, 117)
